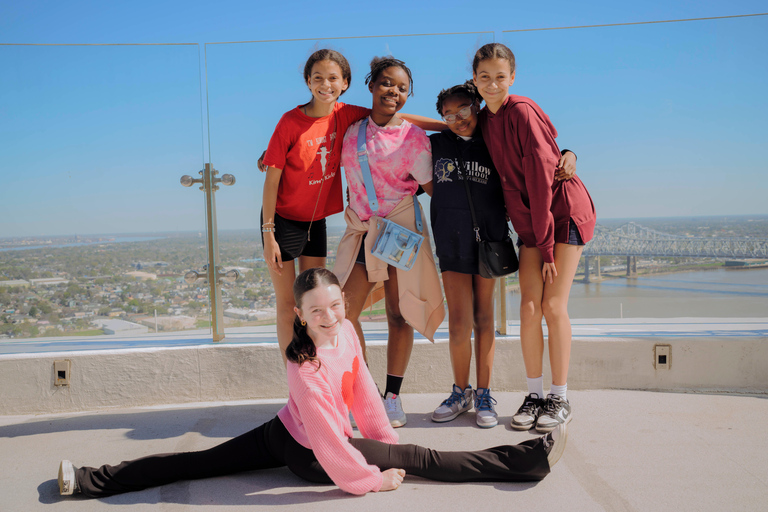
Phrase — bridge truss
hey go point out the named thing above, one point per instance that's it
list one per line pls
(632, 239)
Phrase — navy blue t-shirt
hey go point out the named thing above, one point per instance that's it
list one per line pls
(452, 228)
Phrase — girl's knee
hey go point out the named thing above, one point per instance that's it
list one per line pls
(459, 329)
(395, 319)
(483, 319)
(554, 309)
(394, 316)
(530, 310)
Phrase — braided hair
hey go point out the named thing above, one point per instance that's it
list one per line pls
(379, 64)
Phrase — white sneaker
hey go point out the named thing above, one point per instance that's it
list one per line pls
(528, 413)
(484, 405)
(67, 482)
(394, 409)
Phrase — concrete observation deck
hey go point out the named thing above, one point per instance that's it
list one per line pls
(687, 438)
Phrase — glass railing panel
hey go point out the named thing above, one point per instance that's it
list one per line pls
(96, 232)
(250, 86)
(668, 122)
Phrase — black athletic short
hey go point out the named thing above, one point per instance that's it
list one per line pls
(291, 236)
(361, 253)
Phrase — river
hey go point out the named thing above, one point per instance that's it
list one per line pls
(707, 294)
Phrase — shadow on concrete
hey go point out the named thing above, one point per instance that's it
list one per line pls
(154, 424)
(466, 420)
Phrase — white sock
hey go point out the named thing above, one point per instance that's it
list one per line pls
(536, 386)
(559, 390)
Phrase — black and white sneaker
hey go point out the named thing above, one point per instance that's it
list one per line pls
(67, 482)
(554, 411)
(528, 413)
(554, 443)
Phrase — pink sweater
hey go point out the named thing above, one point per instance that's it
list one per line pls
(317, 412)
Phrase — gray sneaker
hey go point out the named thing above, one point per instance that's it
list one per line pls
(394, 408)
(459, 402)
(484, 405)
(67, 482)
(554, 411)
(526, 416)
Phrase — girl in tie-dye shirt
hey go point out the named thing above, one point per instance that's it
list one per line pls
(400, 159)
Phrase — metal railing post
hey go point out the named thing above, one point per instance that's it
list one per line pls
(501, 325)
(212, 232)
(212, 271)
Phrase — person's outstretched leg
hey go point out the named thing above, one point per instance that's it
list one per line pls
(247, 452)
(523, 462)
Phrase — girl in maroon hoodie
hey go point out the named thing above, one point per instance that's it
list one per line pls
(553, 219)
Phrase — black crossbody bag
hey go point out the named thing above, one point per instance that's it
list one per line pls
(495, 259)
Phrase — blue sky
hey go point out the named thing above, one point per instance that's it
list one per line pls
(667, 119)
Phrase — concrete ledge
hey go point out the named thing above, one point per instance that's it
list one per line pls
(143, 377)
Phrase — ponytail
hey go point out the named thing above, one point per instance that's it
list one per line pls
(302, 348)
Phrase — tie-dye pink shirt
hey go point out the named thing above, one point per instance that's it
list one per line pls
(400, 158)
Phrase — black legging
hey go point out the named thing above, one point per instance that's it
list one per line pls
(271, 446)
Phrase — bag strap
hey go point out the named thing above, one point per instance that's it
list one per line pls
(471, 205)
(469, 198)
(322, 183)
(362, 157)
(365, 168)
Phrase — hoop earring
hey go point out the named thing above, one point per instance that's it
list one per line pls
(303, 323)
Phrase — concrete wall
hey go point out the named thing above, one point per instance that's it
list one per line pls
(132, 377)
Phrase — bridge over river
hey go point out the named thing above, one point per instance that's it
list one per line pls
(633, 240)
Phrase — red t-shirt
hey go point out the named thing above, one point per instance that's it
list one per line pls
(308, 150)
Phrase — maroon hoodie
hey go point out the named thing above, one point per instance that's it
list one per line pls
(521, 140)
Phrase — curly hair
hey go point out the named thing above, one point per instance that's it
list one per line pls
(302, 348)
(379, 64)
(494, 51)
(333, 56)
(467, 89)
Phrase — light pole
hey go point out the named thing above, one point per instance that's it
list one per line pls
(212, 272)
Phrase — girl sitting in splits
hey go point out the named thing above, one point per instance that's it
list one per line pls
(312, 434)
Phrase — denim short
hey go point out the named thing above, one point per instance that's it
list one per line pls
(574, 237)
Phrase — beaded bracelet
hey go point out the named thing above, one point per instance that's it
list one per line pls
(267, 230)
